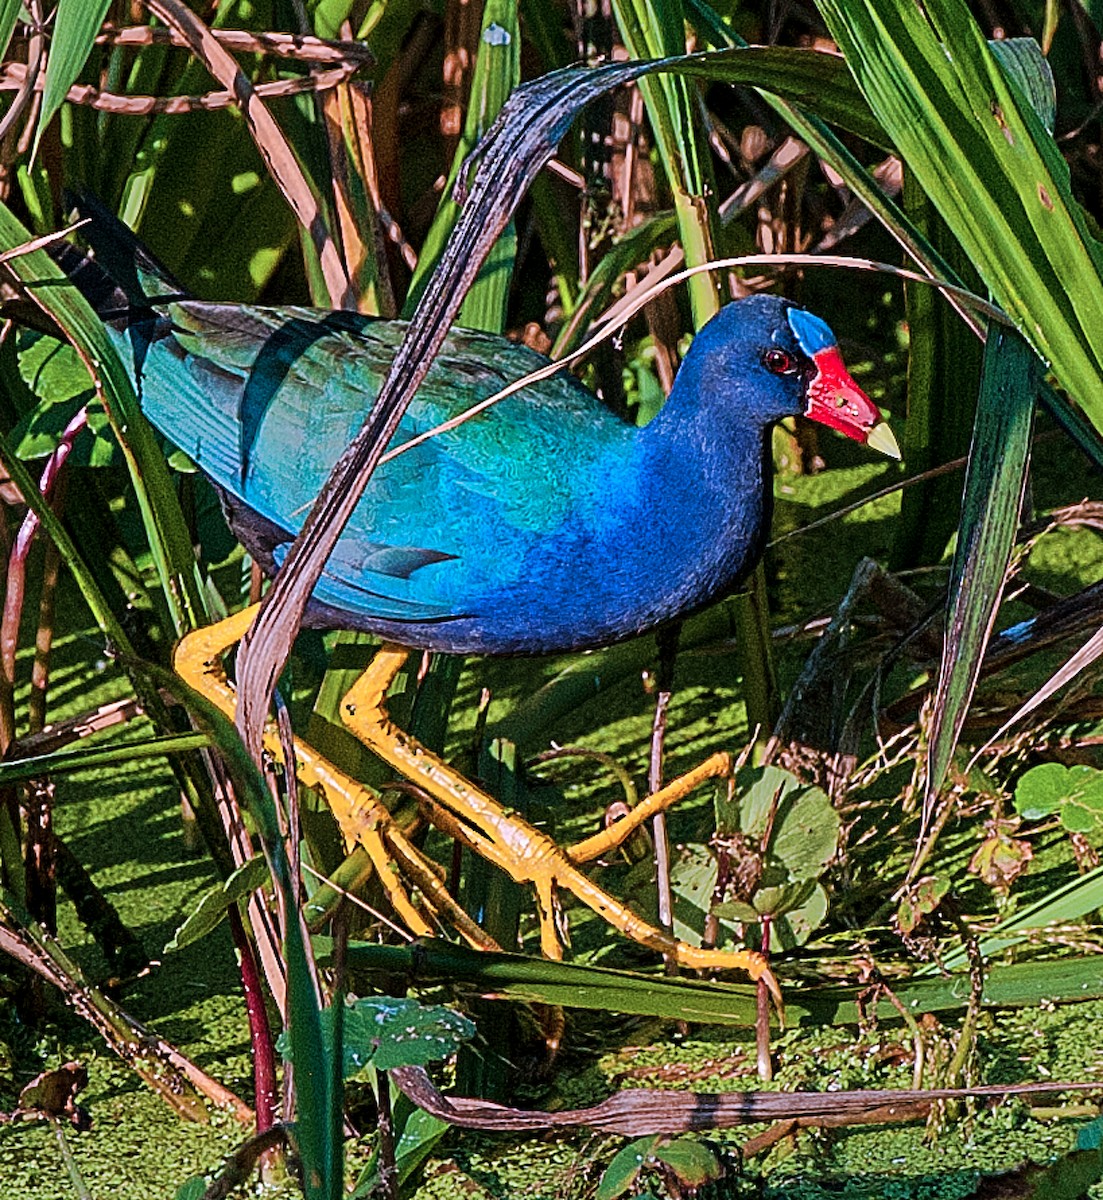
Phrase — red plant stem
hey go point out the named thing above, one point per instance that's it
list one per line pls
(260, 1031)
(17, 578)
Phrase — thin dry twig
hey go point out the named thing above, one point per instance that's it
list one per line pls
(244, 41)
(14, 76)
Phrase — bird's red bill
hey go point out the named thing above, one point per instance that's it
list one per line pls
(835, 400)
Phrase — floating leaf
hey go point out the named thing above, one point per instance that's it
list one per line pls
(385, 1032)
(625, 1167)
(1073, 793)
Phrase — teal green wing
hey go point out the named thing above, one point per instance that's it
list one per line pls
(265, 400)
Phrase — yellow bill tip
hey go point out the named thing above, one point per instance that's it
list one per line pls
(882, 438)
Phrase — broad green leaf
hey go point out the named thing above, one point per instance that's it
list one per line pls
(804, 825)
(994, 486)
(212, 907)
(693, 1163)
(76, 24)
(806, 834)
(386, 1032)
(1074, 793)
(55, 374)
(625, 1166)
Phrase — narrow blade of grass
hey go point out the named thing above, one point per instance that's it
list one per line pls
(994, 486)
(75, 27)
(521, 979)
(165, 527)
(497, 73)
(991, 169)
(317, 1078)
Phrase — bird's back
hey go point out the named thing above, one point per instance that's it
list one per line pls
(480, 538)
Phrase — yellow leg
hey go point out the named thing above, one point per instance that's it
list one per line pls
(511, 843)
(359, 814)
(505, 839)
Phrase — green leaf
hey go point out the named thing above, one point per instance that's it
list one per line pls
(9, 15)
(497, 72)
(75, 27)
(1075, 793)
(805, 826)
(1028, 68)
(212, 907)
(1069, 902)
(385, 1032)
(994, 486)
(169, 539)
(992, 170)
(920, 901)
(521, 978)
(88, 758)
(55, 374)
(625, 1166)
(192, 1189)
(693, 1163)
(806, 834)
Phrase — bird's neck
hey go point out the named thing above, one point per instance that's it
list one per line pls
(707, 498)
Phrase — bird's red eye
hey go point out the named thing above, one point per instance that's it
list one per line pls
(778, 361)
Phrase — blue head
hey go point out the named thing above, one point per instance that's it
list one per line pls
(762, 359)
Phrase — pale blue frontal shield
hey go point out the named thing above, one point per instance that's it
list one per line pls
(813, 334)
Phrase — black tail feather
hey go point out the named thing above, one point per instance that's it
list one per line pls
(139, 278)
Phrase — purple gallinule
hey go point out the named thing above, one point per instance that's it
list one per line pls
(545, 524)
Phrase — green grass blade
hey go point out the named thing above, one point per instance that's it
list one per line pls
(318, 1105)
(1070, 902)
(71, 556)
(99, 756)
(75, 27)
(653, 30)
(166, 529)
(944, 370)
(497, 73)
(994, 486)
(522, 979)
(9, 15)
(628, 252)
(991, 169)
